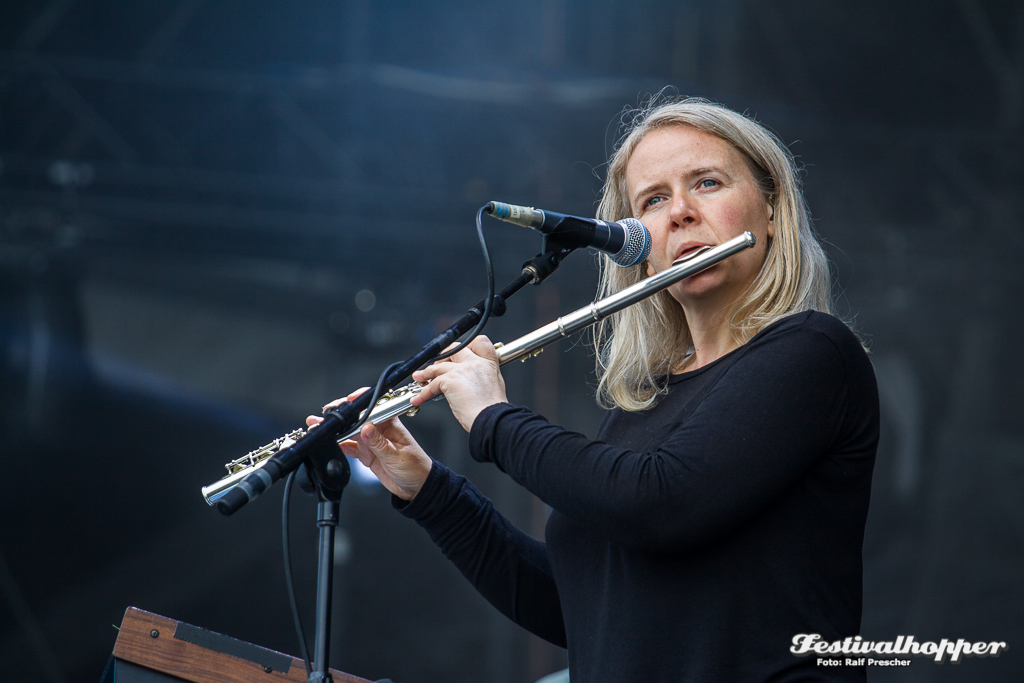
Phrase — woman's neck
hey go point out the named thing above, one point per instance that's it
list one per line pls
(711, 336)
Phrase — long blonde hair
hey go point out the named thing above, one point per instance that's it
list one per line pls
(638, 347)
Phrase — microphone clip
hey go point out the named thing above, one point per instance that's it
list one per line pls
(555, 246)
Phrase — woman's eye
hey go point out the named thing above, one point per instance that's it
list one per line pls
(651, 202)
(709, 182)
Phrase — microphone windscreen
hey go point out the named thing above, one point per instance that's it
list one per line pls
(636, 246)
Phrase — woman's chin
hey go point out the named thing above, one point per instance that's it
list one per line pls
(697, 290)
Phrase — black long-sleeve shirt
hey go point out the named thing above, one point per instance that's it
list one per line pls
(690, 542)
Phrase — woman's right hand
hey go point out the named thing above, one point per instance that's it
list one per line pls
(389, 450)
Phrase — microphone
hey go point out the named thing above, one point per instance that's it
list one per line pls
(626, 241)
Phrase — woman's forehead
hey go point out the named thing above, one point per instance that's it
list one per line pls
(677, 149)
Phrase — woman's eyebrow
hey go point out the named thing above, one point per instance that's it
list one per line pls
(703, 170)
(644, 190)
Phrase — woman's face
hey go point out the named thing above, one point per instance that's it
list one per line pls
(692, 189)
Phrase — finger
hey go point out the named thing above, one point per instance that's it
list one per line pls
(395, 432)
(479, 350)
(441, 362)
(351, 397)
(359, 445)
(430, 372)
(436, 370)
(360, 451)
(483, 347)
(313, 420)
(372, 463)
(428, 392)
(349, 448)
(357, 393)
(374, 439)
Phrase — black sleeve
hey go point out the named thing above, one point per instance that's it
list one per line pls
(508, 567)
(777, 408)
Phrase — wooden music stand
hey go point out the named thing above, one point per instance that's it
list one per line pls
(155, 649)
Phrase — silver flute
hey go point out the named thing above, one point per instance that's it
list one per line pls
(397, 401)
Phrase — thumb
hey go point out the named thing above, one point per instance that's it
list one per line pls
(373, 438)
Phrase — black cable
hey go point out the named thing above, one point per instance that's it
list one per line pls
(485, 316)
(489, 302)
(288, 573)
(377, 391)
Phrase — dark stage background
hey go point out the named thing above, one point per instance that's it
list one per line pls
(215, 216)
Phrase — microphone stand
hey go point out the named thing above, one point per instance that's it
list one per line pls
(327, 520)
(330, 472)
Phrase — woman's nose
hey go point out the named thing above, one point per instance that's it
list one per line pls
(683, 212)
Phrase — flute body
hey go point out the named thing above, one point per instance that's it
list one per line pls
(396, 402)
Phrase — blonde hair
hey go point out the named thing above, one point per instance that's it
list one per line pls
(639, 346)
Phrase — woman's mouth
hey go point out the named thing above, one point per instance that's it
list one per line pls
(691, 250)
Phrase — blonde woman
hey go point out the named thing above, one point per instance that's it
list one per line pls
(721, 510)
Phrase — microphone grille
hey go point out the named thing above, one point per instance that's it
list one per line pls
(637, 243)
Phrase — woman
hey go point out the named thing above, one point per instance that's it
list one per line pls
(721, 510)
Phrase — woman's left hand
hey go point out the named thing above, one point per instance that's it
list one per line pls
(388, 450)
(470, 381)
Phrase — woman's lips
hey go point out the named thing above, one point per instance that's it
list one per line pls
(689, 248)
